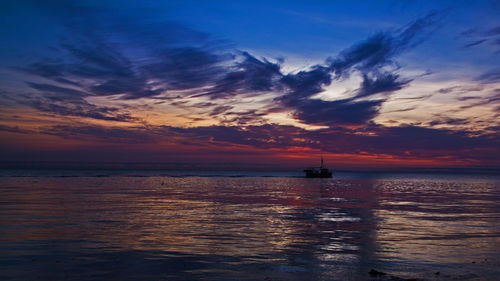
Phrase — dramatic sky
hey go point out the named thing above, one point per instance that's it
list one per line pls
(366, 84)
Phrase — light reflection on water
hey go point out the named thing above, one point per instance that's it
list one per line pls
(249, 228)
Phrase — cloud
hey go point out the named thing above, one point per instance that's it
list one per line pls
(67, 102)
(305, 84)
(482, 32)
(491, 76)
(380, 49)
(14, 129)
(115, 135)
(249, 75)
(381, 83)
(185, 68)
(220, 109)
(401, 142)
(475, 43)
(369, 58)
(402, 109)
(488, 100)
(338, 112)
(244, 118)
(139, 61)
(94, 68)
(426, 142)
(58, 93)
(482, 35)
(89, 63)
(449, 121)
(107, 60)
(82, 109)
(417, 98)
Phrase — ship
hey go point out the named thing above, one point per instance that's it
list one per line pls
(318, 172)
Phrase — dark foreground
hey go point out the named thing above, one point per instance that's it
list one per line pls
(138, 226)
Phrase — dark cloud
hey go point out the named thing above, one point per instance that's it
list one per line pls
(305, 84)
(185, 68)
(418, 98)
(108, 134)
(90, 64)
(102, 60)
(493, 31)
(447, 90)
(381, 83)
(482, 32)
(66, 81)
(374, 52)
(82, 109)
(244, 118)
(460, 89)
(95, 68)
(67, 102)
(220, 109)
(47, 68)
(249, 75)
(402, 109)
(98, 59)
(449, 121)
(488, 100)
(380, 49)
(58, 93)
(475, 43)
(369, 59)
(203, 104)
(404, 141)
(482, 35)
(141, 60)
(425, 142)
(466, 98)
(175, 67)
(332, 113)
(495, 97)
(264, 136)
(491, 76)
(14, 129)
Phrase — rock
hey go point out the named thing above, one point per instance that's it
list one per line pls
(374, 272)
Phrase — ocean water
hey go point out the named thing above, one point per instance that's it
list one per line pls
(186, 225)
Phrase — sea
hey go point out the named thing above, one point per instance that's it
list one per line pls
(247, 225)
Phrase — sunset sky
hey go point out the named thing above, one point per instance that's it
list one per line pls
(251, 84)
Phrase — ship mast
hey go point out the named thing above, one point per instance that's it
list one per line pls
(321, 162)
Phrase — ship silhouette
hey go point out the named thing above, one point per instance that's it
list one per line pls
(318, 172)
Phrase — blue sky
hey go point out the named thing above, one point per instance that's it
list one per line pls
(299, 28)
(291, 79)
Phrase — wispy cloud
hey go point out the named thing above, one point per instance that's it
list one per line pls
(371, 58)
(482, 35)
(403, 142)
(169, 65)
(90, 65)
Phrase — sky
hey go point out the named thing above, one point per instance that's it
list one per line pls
(251, 84)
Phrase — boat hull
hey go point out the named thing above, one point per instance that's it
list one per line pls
(318, 174)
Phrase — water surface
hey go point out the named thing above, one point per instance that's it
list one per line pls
(174, 225)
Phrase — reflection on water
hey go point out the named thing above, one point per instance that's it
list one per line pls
(248, 228)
